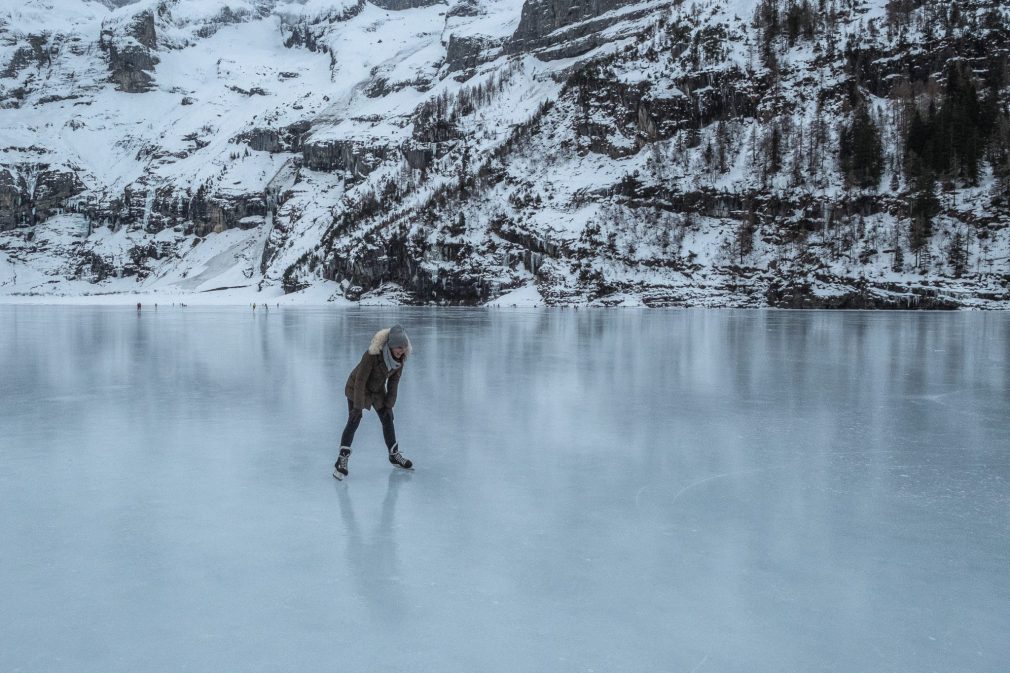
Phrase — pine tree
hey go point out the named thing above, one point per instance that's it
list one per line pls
(721, 140)
(922, 209)
(950, 141)
(766, 20)
(962, 120)
(957, 255)
(745, 234)
(860, 152)
(463, 168)
(775, 150)
(898, 263)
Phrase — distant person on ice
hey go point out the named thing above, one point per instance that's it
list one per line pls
(373, 383)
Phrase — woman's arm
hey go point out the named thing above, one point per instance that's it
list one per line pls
(391, 386)
(362, 371)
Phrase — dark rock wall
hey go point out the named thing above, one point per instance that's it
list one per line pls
(397, 5)
(24, 202)
(465, 53)
(541, 17)
(32, 54)
(11, 196)
(131, 65)
(284, 139)
(352, 156)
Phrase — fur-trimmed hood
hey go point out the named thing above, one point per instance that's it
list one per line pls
(380, 339)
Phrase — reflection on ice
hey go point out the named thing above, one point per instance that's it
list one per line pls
(372, 556)
(607, 490)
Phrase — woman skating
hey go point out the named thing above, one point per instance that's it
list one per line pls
(373, 383)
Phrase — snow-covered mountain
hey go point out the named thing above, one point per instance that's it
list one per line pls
(716, 153)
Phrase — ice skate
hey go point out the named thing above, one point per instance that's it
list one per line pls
(340, 468)
(398, 459)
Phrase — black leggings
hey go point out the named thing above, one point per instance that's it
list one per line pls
(353, 419)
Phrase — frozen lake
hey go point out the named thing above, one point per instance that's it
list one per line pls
(607, 491)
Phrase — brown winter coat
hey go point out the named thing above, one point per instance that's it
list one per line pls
(371, 384)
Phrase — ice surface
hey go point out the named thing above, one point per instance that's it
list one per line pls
(624, 490)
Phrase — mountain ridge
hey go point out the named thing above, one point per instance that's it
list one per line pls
(662, 153)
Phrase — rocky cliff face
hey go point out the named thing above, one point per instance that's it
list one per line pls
(541, 17)
(556, 30)
(463, 54)
(32, 51)
(30, 193)
(400, 5)
(131, 50)
(761, 152)
(356, 159)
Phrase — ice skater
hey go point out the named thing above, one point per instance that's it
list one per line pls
(373, 383)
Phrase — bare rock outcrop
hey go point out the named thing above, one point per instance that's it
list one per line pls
(352, 156)
(285, 139)
(32, 193)
(398, 5)
(131, 51)
(540, 18)
(465, 53)
(33, 53)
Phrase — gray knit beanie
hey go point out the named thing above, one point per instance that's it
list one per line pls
(397, 337)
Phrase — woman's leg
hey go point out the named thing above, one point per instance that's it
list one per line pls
(388, 431)
(353, 419)
(389, 434)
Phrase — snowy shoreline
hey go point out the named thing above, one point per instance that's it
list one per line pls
(827, 293)
(310, 299)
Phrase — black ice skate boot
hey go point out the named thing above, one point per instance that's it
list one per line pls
(340, 468)
(396, 458)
